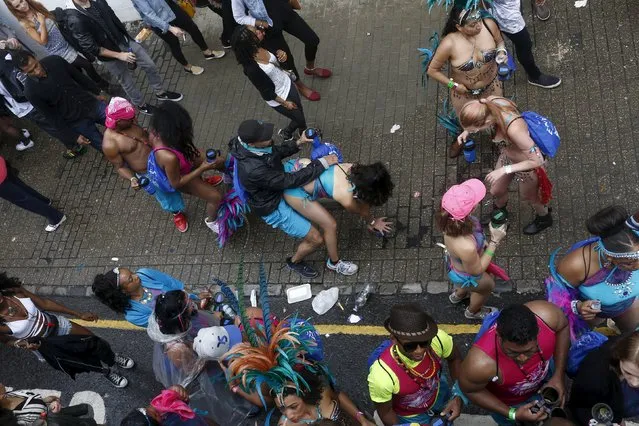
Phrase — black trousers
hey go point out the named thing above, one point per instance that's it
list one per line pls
(22, 195)
(183, 21)
(523, 48)
(298, 121)
(228, 22)
(83, 63)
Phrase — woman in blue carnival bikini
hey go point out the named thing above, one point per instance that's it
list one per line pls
(598, 278)
(469, 257)
(356, 187)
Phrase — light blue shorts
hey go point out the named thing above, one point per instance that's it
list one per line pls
(288, 220)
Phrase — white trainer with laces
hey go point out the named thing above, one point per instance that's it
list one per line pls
(51, 228)
(343, 267)
(213, 226)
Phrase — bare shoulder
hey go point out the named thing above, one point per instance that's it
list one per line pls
(549, 313)
(577, 265)
(478, 367)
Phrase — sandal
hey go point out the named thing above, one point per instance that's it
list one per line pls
(454, 299)
(318, 72)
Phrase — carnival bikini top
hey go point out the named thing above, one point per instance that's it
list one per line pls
(471, 64)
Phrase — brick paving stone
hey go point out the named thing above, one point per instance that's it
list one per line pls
(376, 83)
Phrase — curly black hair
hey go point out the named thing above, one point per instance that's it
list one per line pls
(105, 288)
(20, 58)
(170, 312)
(174, 125)
(8, 284)
(245, 45)
(373, 184)
(517, 324)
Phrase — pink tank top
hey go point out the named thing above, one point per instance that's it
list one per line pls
(518, 383)
(185, 165)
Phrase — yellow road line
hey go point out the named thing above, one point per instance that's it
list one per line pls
(353, 330)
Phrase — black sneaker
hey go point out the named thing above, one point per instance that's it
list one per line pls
(116, 380)
(124, 361)
(146, 109)
(226, 44)
(169, 96)
(546, 81)
(302, 268)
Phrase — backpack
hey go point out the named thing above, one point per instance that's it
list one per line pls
(61, 17)
(155, 173)
(543, 132)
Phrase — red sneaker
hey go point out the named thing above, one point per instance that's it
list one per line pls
(181, 223)
(214, 180)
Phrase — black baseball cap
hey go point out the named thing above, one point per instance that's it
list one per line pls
(251, 131)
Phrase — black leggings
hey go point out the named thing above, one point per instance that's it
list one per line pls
(296, 26)
(183, 21)
(298, 121)
(228, 22)
(83, 63)
(523, 48)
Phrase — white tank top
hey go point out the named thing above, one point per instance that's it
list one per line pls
(279, 77)
(30, 327)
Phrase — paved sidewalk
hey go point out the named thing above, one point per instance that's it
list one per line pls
(372, 48)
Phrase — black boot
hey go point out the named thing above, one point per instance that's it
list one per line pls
(539, 224)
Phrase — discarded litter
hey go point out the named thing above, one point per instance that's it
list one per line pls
(354, 319)
(417, 194)
(362, 297)
(395, 128)
(299, 293)
(368, 34)
(340, 305)
(115, 259)
(581, 3)
(325, 300)
(13, 239)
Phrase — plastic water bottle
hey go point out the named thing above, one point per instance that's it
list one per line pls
(362, 297)
(131, 65)
(212, 154)
(470, 154)
(145, 183)
(325, 300)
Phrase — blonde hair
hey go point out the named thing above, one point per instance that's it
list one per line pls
(33, 5)
(478, 113)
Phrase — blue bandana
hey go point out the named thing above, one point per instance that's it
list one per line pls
(258, 151)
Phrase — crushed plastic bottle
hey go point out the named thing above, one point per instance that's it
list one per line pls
(325, 300)
(362, 297)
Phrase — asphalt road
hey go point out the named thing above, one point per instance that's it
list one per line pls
(346, 354)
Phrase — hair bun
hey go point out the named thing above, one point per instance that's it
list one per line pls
(607, 221)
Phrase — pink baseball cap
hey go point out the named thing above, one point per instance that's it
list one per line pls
(460, 200)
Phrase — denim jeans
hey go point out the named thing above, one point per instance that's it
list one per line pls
(86, 127)
(124, 75)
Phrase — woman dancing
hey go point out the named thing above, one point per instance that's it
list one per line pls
(473, 46)
(519, 159)
(356, 187)
(598, 278)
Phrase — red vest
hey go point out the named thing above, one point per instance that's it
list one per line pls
(519, 384)
(416, 395)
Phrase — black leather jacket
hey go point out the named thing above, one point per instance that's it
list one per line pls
(90, 34)
(263, 176)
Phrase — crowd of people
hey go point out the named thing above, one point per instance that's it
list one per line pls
(218, 369)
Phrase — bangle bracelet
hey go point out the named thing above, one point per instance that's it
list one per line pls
(508, 169)
(574, 308)
(358, 416)
(372, 222)
(502, 49)
(134, 177)
(489, 252)
(451, 83)
(512, 414)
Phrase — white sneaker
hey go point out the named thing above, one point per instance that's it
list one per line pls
(343, 267)
(481, 314)
(51, 228)
(213, 226)
(195, 70)
(21, 146)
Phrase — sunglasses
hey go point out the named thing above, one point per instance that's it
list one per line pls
(412, 346)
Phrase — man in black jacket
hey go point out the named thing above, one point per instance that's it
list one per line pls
(100, 34)
(14, 101)
(65, 96)
(262, 177)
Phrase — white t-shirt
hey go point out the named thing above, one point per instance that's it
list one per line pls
(507, 13)
(20, 109)
(279, 77)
